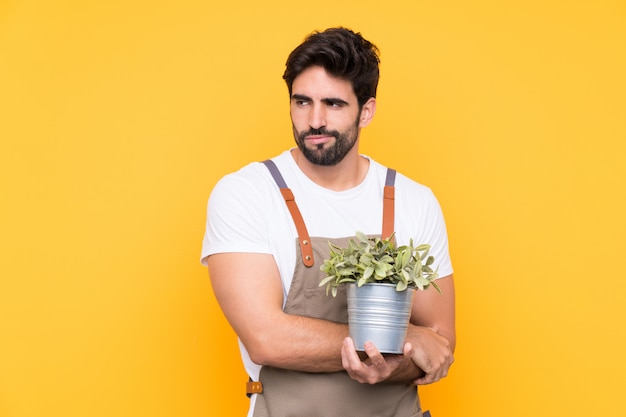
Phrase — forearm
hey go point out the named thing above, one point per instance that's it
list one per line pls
(437, 311)
(298, 343)
(407, 373)
(254, 309)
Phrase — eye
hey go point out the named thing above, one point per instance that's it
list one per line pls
(302, 103)
(335, 104)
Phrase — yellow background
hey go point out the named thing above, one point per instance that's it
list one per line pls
(118, 117)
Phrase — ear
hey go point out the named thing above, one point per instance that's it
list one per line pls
(367, 112)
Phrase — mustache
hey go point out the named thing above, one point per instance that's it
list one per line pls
(318, 132)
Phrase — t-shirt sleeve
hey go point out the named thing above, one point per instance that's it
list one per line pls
(235, 219)
(425, 223)
(437, 236)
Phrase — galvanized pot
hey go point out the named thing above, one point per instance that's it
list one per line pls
(379, 314)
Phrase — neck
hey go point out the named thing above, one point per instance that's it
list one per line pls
(348, 173)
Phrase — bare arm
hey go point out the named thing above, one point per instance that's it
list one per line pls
(433, 335)
(249, 291)
(431, 309)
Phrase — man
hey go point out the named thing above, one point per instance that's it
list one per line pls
(264, 256)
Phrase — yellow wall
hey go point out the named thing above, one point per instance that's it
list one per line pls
(117, 117)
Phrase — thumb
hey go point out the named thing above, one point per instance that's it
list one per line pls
(408, 349)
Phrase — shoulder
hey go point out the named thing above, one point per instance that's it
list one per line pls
(249, 189)
(413, 187)
(249, 175)
(251, 180)
(405, 185)
(413, 197)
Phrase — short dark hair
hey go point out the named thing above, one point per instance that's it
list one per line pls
(343, 54)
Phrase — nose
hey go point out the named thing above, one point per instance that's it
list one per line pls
(317, 116)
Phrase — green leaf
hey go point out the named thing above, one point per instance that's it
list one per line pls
(406, 258)
(386, 259)
(423, 247)
(398, 262)
(347, 271)
(422, 282)
(418, 269)
(362, 237)
(326, 280)
(368, 272)
(366, 259)
(434, 284)
(406, 275)
(381, 271)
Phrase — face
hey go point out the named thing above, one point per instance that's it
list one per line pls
(325, 116)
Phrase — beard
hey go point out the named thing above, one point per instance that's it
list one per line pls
(327, 154)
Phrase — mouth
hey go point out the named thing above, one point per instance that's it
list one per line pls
(318, 139)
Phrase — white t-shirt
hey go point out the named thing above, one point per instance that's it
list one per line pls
(247, 213)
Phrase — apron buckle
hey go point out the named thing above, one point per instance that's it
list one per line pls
(254, 387)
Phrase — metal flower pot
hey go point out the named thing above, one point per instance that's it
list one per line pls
(379, 314)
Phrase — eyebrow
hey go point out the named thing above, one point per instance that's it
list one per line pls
(329, 100)
(300, 97)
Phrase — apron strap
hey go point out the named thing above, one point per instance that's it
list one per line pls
(303, 235)
(389, 203)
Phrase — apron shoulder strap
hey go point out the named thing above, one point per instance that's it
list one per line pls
(389, 203)
(303, 235)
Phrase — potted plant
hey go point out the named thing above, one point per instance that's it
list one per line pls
(381, 279)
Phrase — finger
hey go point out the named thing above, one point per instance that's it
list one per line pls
(423, 381)
(435, 375)
(428, 379)
(376, 358)
(349, 358)
(408, 350)
(356, 369)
